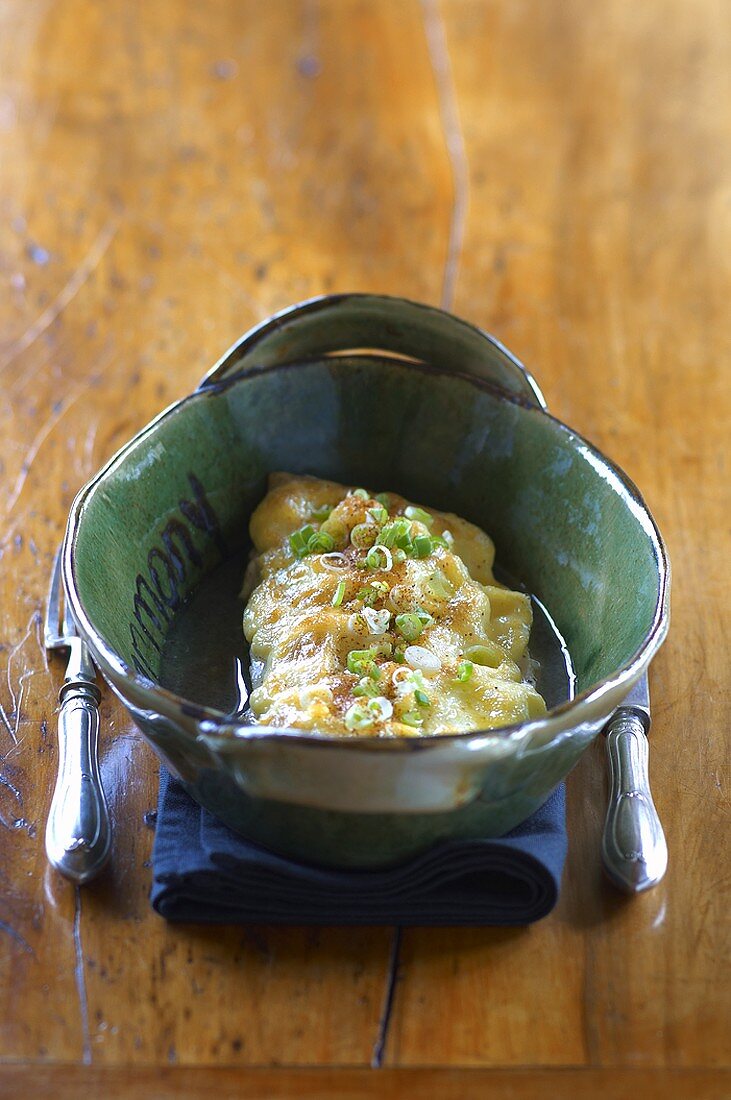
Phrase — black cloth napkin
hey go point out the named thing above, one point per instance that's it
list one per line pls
(203, 872)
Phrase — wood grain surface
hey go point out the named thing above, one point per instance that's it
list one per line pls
(335, 1083)
(557, 172)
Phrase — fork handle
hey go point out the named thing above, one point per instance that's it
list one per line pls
(78, 834)
(634, 851)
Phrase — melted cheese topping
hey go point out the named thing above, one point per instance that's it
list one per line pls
(370, 616)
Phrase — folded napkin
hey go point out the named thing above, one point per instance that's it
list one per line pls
(203, 872)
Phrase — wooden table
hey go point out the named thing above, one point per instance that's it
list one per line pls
(556, 171)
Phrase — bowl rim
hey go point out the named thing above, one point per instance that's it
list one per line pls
(219, 729)
(238, 357)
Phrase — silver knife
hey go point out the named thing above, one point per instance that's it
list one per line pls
(78, 833)
(634, 851)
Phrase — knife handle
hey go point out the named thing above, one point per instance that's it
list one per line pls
(634, 851)
(78, 833)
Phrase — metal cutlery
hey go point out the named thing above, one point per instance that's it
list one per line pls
(634, 851)
(78, 833)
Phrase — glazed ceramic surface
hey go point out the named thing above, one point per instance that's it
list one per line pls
(392, 395)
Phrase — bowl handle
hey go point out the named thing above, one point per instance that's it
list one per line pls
(340, 323)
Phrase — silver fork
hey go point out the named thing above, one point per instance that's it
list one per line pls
(78, 834)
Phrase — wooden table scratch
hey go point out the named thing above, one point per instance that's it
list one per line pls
(556, 172)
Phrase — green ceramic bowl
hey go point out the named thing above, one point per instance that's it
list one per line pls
(440, 412)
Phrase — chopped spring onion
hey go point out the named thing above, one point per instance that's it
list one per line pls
(424, 617)
(419, 515)
(333, 561)
(396, 533)
(422, 698)
(380, 586)
(423, 546)
(403, 538)
(362, 662)
(379, 557)
(399, 555)
(361, 493)
(398, 598)
(387, 536)
(378, 515)
(363, 535)
(381, 708)
(406, 676)
(464, 671)
(401, 679)
(398, 655)
(358, 718)
(412, 718)
(322, 512)
(383, 499)
(448, 538)
(377, 621)
(405, 680)
(298, 540)
(409, 626)
(320, 543)
(361, 715)
(308, 541)
(419, 657)
(489, 654)
(339, 593)
(366, 687)
(368, 595)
